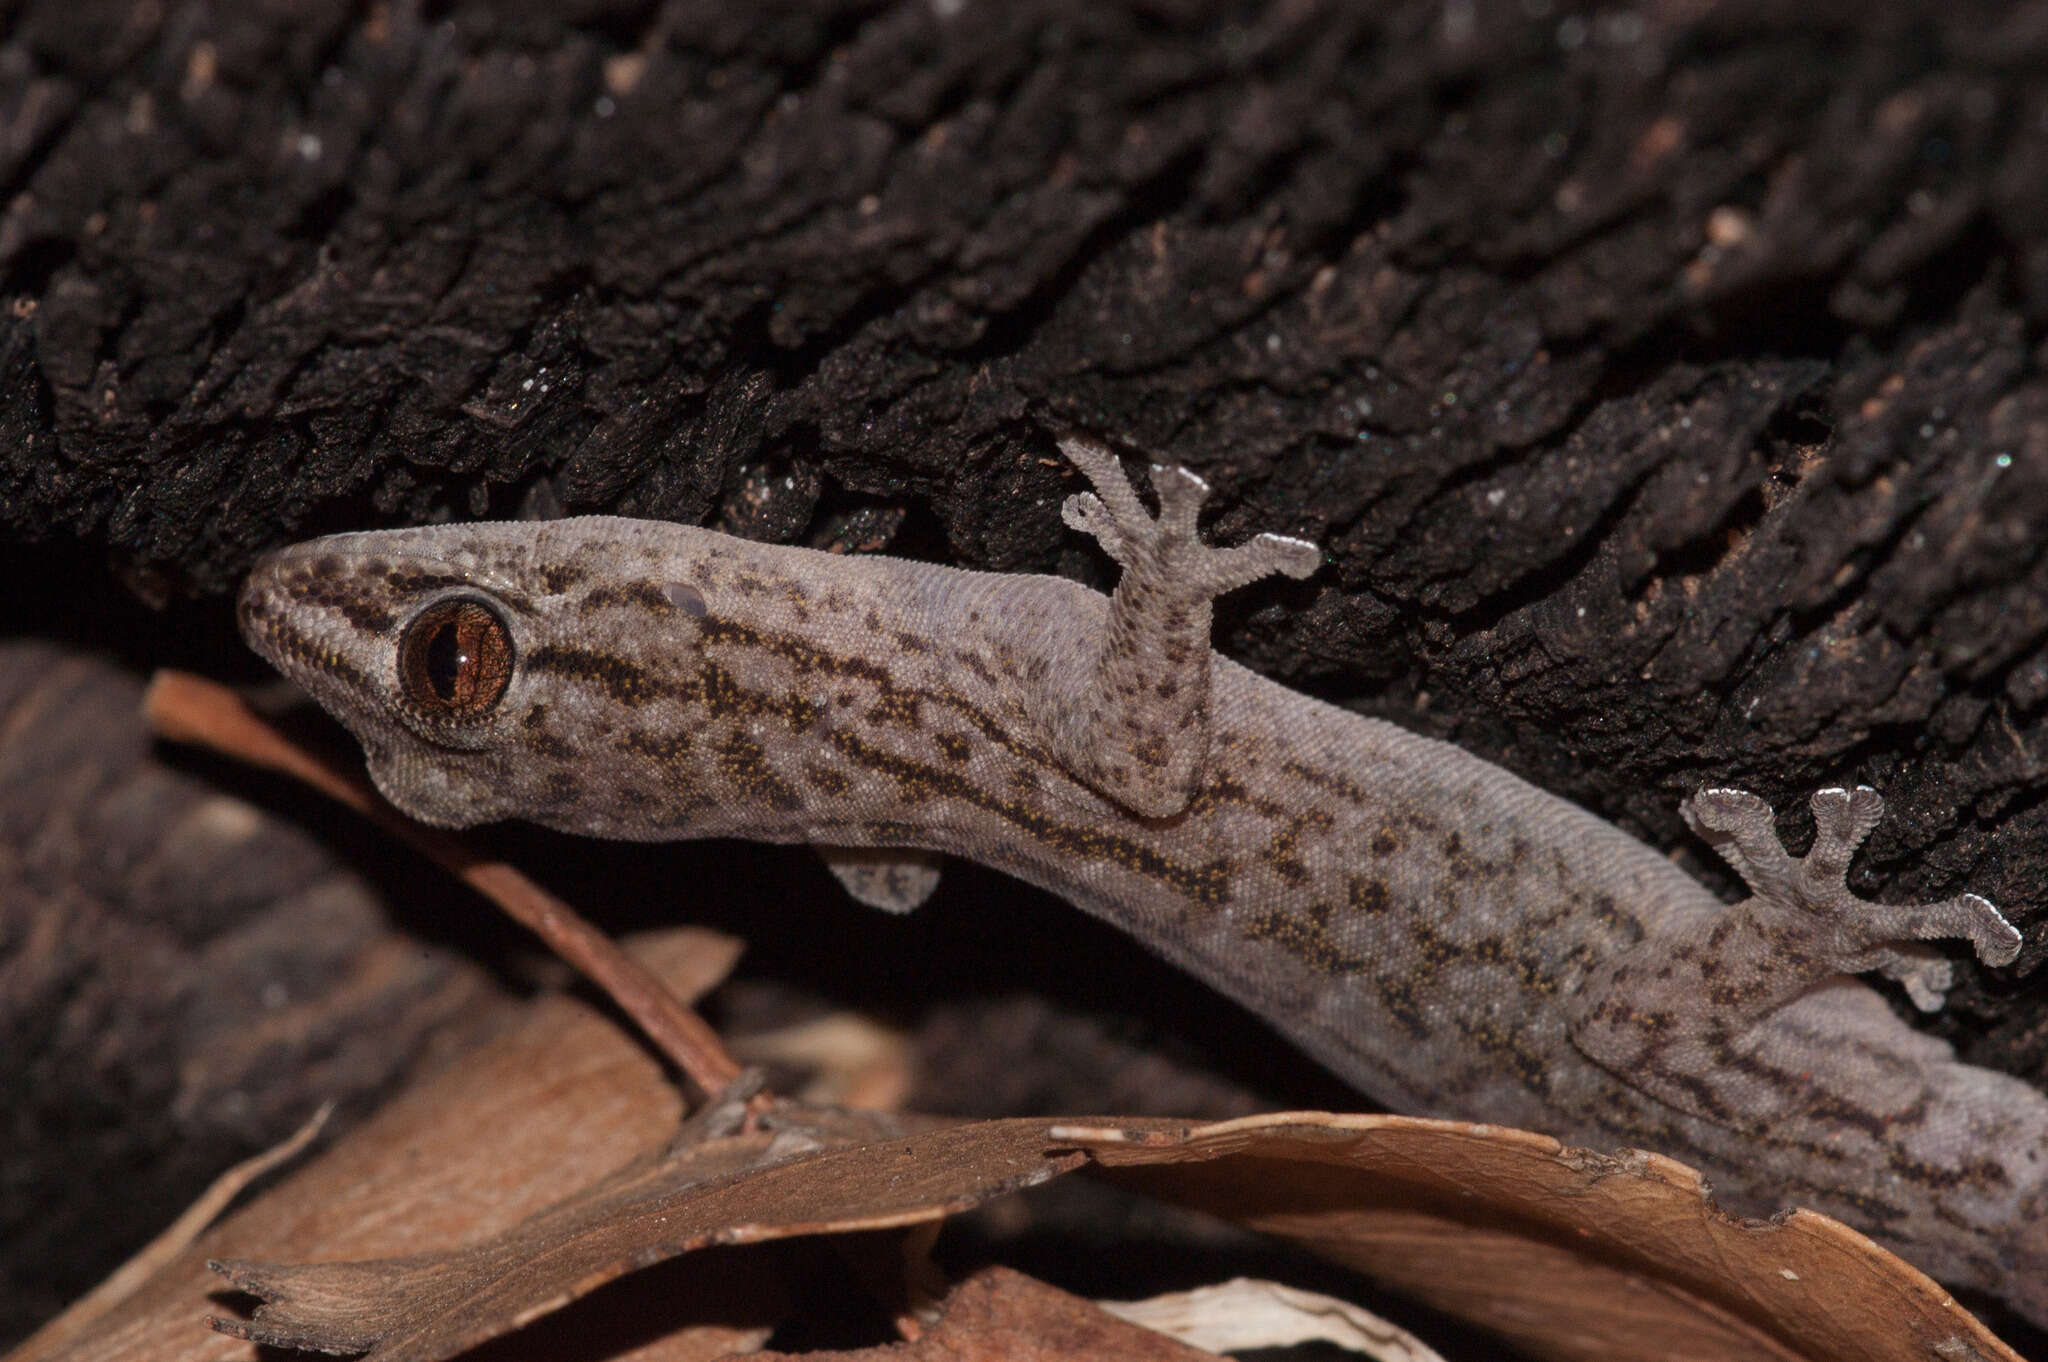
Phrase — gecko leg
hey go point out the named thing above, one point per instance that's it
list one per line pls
(1133, 724)
(1676, 1010)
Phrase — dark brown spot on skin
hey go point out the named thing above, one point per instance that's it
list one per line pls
(953, 747)
(1330, 783)
(723, 697)
(561, 790)
(1369, 896)
(895, 707)
(535, 735)
(1291, 871)
(744, 765)
(663, 747)
(408, 582)
(1460, 860)
(1282, 853)
(341, 594)
(1400, 998)
(1310, 936)
(645, 595)
(626, 682)
(557, 578)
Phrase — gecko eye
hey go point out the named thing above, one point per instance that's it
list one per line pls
(455, 659)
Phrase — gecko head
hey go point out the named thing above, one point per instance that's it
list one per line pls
(479, 665)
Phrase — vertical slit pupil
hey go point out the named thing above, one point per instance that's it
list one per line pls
(446, 657)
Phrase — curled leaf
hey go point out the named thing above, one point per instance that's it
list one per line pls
(1570, 1253)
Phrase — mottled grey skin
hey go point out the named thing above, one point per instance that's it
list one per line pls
(1445, 936)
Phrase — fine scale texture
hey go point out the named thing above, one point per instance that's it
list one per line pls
(1449, 938)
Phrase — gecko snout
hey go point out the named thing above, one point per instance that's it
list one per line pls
(254, 604)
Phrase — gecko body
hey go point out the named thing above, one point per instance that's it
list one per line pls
(1445, 936)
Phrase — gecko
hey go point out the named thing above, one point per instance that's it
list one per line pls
(1448, 938)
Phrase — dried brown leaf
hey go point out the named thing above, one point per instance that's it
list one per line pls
(1571, 1254)
(523, 1122)
(816, 1174)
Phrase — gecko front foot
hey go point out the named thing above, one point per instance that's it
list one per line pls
(1132, 536)
(1806, 903)
(1134, 725)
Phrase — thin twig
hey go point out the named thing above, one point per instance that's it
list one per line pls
(192, 709)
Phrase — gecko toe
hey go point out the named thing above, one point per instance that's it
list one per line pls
(1842, 819)
(1723, 810)
(1282, 553)
(1997, 941)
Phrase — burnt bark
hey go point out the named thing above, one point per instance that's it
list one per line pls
(1665, 382)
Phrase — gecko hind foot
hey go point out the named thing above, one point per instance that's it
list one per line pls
(1808, 897)
(1130, 534)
